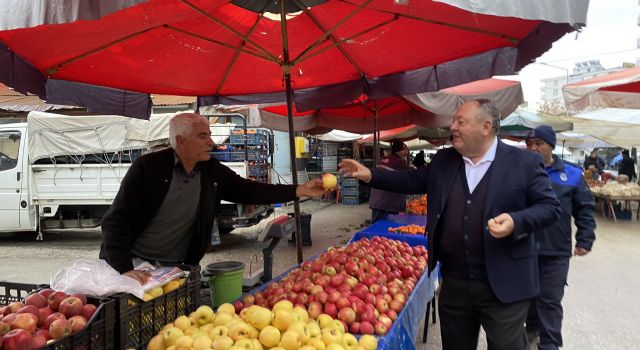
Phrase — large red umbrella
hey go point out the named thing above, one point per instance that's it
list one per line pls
(329, 51)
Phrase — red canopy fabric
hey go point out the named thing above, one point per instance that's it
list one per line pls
(619, 89)
(427, 110)
(339, 50)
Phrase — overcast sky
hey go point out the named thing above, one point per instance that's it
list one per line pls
(611, 35)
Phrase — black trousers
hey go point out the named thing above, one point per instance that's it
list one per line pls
(464, 305)
(545, 313)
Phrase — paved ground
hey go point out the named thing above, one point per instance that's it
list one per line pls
(601, 302)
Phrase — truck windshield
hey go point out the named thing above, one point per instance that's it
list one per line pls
(9, 149)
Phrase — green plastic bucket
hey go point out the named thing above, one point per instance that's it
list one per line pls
(225, 281)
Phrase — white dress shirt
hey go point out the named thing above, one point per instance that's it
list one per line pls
(475, 172)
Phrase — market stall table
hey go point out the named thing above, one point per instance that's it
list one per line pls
(608, 203)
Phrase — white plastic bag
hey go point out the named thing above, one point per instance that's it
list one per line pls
(94, 277)
(160, 275)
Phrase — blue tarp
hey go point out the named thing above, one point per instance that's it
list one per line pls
(406, 219)
(381, 228)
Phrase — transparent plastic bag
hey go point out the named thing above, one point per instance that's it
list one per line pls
(160, 275)
(94, 277)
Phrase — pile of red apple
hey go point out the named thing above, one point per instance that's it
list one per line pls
(365, 284)
(42, 317)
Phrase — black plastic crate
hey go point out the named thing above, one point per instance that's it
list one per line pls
(98, 334)
(138, 323)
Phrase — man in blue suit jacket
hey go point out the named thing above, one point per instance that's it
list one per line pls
(485, 201)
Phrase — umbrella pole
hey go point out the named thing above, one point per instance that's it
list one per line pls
(286, 68)
(376, 138)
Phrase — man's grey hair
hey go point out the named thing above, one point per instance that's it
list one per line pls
(182, 124)
(488, 110)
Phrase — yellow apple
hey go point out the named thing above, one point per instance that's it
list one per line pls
(170, 336)
(283, 304)
(191, 330)
(317, 343)
(207, 327)
(218, 331)
(202, 343)
(239, 330)
(278, 348)
(302, 329)
(337, 325)
(182, 322)
(329, 181)
(330, 336)
(368, 342)
(307, 347)
(222, 343)
(245, 344)
(324, 320)
(335, 346)
(282, 319)
(269, 336)
(145, 297)
(222, 318)
(228, 308)
(290, 340)
(170, 286)
(349, 341)
(184, 342)
(258, 316)
(155, 292)
(314, 329)
(257, 345)
(172, 347)
(204, 315)
(156, 343)
(301, 313)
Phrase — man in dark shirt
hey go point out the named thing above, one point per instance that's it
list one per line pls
(627, 165)
(383, 203)
(167, 202)
(554, 242)
(593, 159)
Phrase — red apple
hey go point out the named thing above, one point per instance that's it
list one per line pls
(366, 328)
(368, 316)
(88, 310)
(381, 305)
(331, 310)
(77, 323)
(238, 305)
(54, 316)
(38, 342)
(60, 328)
(26, 321)
(82, 297)
(395, 305)
(385, 320)
(314, 310)
(36, 299)
(347, 314)
(392, 314)
(8, 319)
(29, 309)
(17, 339)
(70, 306)
(380, 328)
(55, 299)
(44, 333)
(321, 297)
(329, 270)
(354, 328)
(336, 281)
(5, 310)
(343, 302)
(4, 329)
(45, 292)
(15, 306)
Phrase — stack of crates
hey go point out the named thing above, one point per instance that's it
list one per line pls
(329, 156)
(254, 147)
(350, 191)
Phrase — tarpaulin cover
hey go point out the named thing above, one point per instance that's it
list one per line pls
(615, 90)
(521, 121)
(429, 109)
(616, 126)
(227, 53)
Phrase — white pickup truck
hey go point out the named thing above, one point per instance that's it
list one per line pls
(64, 171)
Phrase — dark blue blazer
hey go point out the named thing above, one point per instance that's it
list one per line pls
(518, 186)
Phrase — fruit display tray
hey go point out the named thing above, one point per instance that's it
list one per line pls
(138, 321)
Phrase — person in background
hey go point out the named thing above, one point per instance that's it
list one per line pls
(167, 202)
(615, 161)
(419, 160)
(554, 242)
(486, 199)
(383, 203)
(627, 165)
(593, 159)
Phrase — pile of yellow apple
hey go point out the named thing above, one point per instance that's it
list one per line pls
(284, 327)
(164, 289)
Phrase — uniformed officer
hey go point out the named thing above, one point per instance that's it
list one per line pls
(554, 242)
